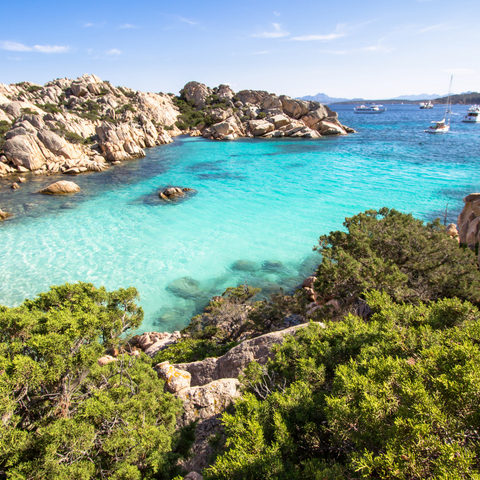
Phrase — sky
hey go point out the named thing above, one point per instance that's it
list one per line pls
(369, 49)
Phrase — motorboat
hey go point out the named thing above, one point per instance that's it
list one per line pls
(473, 115)
(426, 105)
(439, 127)
(443, 126)
(369, 109)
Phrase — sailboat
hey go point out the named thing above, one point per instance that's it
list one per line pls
(443, 126)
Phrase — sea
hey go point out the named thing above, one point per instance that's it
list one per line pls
(260, 208)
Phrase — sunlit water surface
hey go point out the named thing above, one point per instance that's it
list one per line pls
(260, 208)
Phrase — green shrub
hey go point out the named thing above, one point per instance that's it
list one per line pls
(50, 108)
(392, 398)
(34, 88)
(28, 111)
(393, 252)
(261, 115)
(4, 128)
(63, 415)
(192, 350)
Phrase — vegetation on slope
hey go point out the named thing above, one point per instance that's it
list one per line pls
(63, 415)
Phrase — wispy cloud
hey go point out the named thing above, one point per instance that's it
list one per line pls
(263, 52)
(114, 51)
(277, 14)
(128, 25)
(20, 47)
(459, 71)
(340, 31)
(277, 32)
(91, 24)
(435, 28)
(186, 20)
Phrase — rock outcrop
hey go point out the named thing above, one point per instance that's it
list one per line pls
(174, 193)
(61, 188)
(74, 126)
(231, 364)
(468, 223)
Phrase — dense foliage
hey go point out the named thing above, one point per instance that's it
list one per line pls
(65, 416)
(390, 251)
(396, 397)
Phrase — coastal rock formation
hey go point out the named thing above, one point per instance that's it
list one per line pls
(61, 188)
(469, 222)
(175, 379)
(231, 364)
(69, 125)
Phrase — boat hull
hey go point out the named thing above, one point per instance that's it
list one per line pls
(438, 130)
(369, 113)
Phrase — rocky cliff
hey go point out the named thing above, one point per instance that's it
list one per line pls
(74, 126)
(77, 125)
(256, 113)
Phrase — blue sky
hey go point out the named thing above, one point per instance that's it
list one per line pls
(352, 48)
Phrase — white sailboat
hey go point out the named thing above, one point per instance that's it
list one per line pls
(443, 126)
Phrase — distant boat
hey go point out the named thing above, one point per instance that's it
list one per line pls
(369, 109)
(426, 105)
(443, 126)
(473, 115)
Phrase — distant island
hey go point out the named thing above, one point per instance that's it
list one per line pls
(467, 98)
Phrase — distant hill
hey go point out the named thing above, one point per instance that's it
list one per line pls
(469, 98)
(418, 98)
(325, 99)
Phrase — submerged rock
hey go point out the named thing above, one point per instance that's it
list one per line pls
(186, 287)
(61, 188)
(4, 215)
(245, 266)
(272, 266)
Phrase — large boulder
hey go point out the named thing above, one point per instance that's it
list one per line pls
(24, 150)
(198, 92)
(330, 128)
(61, 188)
(468, 220)
(294, 108)
(252, 96)
(175, 379)
(260, 127)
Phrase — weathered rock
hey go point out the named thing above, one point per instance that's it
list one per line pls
(61, 188)
(15, 185)
(173, 193)
(193, 476)
(176, 380)
(4, 215)
(452, 230)
(234, 361)
(330, 128)
(21, 179)
(260, 127)
(206, 401)
(105, 360)
(294, 108)
(198, 92)
(280, 121)
(308, 282)
(24, 150)
(468, 220)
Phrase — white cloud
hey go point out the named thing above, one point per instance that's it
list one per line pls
(277, 32)
(263, 52)
(379, 47)
(186, 20)
(339, 32)
(20, 47)
(276, 14)
(86, 25)
(114, 51)
(459, 71)
(128, 25)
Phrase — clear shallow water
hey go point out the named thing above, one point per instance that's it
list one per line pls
(260, 203)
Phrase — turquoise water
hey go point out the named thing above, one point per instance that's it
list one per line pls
(260, 208)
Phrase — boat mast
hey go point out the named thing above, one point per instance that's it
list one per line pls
(449, 110)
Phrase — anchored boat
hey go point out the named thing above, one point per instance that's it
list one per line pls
(426, 105)
(369, 109)
(443, 126)
(473, 115)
